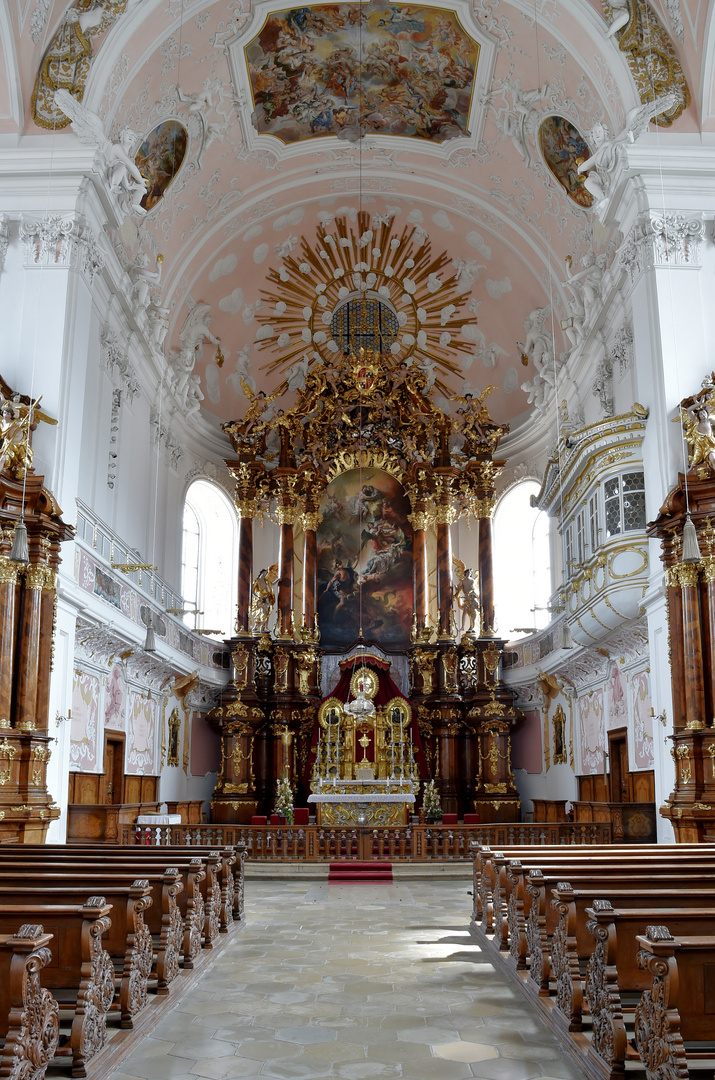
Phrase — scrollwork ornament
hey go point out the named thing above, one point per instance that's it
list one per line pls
(657, 1023)
(141, 957)
(32, 1047)
(98, 994)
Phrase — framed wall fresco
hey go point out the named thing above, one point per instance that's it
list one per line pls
(159, 159)
(562, 145)
(114, 700)
(642, 721)
(365, 561)
(348, 69)
(141, 734)
(85, 722)
(593, 733)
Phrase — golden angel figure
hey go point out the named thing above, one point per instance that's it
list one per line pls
(466, 595)
(263, 599)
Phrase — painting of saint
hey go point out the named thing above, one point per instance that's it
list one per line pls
(350, 69)
(85, 716)
(159, 159)
(365, 561)
(562, 145)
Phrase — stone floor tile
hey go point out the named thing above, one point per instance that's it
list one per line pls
(437, 1069)
(296, 1069)
(230, 1067)
(307, 1034)
(507, 1069)
(465, 1051)
(426, 1034)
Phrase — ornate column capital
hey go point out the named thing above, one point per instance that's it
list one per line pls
(668, 240)
(65, 242)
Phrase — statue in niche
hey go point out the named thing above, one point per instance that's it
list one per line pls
(559, 732)
(122, 174)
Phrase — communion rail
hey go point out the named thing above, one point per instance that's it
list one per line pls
(412, 843)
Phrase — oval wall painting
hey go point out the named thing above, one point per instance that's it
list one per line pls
(159, 159)
(562, 145)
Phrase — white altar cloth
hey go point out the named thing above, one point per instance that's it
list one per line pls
(362, 797)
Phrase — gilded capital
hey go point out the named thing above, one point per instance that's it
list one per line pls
(419, 519)
(285, 515)
(708, 568)
(446, 513)
(688, 575)
(247, 508)
(8, 571)
(484, 508)
(36, 576)
(310, 520)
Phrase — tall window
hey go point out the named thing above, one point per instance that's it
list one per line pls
(522, 563)
(209, 558)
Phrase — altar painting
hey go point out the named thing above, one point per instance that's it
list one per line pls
(341, 69)
(562, 145)
(365, 561)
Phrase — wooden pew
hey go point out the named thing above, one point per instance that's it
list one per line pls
(613, 970)
(80, 964)
(180, 927)
(678, 1005)
(29, 1015)
(128, 940)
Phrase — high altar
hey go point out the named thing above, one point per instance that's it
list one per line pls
(369, 475)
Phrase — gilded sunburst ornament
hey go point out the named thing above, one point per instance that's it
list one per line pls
(365, 284)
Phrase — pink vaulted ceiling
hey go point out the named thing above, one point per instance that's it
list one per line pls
(245, 200)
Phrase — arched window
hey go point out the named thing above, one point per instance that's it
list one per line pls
(522, 563)
(209, 558)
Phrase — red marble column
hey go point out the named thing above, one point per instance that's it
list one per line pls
(420, 594)
(445, 516)
(310, 519)
(285, 571)
(8, 591)
(692, 647)
(486, 576)
(30, 638)
(44, 669)
(245, 571)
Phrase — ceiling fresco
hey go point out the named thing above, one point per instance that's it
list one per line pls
(350, 69)
(454, 128)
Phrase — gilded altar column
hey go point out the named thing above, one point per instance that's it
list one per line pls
(8, 589)
(285, 513)
(309, 519)
(420, 518)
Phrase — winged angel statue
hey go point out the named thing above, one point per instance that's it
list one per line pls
(263, 599)
(609, 150)
(124, 177)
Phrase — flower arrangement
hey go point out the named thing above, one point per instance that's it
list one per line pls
(284, 800)
(431, 807)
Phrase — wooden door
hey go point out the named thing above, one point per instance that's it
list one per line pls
(113, 770)
(618, 756)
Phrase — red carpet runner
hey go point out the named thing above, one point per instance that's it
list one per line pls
(360, 871)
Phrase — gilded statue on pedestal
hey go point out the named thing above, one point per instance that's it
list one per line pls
(263, 599)
(15, 449)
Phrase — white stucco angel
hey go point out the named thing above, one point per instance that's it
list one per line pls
(196, 328)
(585, 284)
(143, 278)
(621, 14)
(608, 149)
(511, 120)
(297, 374)
(537, 345)
(124, 178)
(240, 375)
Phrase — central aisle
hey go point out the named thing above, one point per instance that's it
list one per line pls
(354, 981)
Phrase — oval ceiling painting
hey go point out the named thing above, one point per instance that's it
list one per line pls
(159, 159)
(562, 145)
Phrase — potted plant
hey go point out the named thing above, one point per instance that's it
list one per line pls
(431, 807)
(284, 800)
